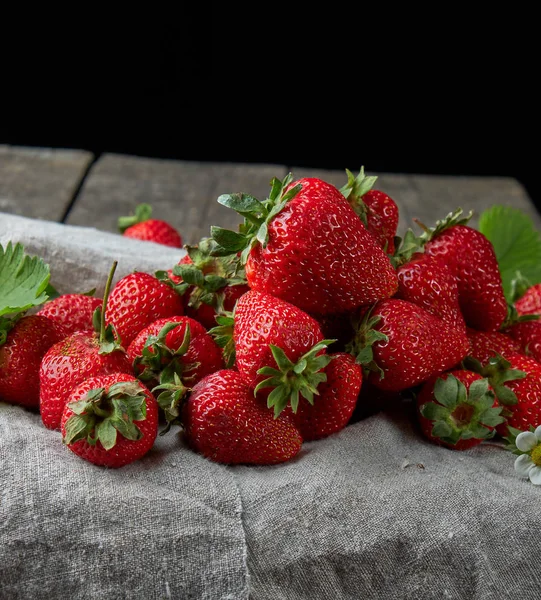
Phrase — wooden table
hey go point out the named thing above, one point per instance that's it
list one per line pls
(73, 187)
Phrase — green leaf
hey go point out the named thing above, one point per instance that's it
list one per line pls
(242, 203)
(433, 411)
(516, 242)
(23, 280)
(106, 434)
(228, 240)
(446, 391)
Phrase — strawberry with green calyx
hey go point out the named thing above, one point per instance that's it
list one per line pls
(81, 355)
(223, 336)
(306, 246)
(224, 422)
(486, 344)
(402, 345)
(209, 285)
(171, 355)
(377, 211)
(142, 227)
(110, 420)
(73, 311)
(458, 409)
(472, 259)
(425, 280)
(24, 339)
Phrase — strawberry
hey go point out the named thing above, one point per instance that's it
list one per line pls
(225, 423)
(458, 409)
(20, 357)
(110, 420)
(73, 311)
(137, 300)
(173, 354)
(377, 211)
(209, 285)
(425, 280)
(471, 257)
(278, 343)
(335, 402)
(527, 335)
(306, 246)
(402, 345)
(486, 344)
(142, 227)
(525, 295)
(77, 357)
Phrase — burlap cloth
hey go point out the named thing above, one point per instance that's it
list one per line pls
(372, 512)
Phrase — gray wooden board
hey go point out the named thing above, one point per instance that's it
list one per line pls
(40, 182)
(182, 192)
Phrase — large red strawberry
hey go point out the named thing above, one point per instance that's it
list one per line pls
(334, 403)
(77, 357)
(110, 420)
(458, 409)
(377, 210)
(141, 227)
(403, 345)
(306, 245)
(226, 423)
(425, 280)
(73, 311)
(21, 355)
(172, 355)
(471, 257)
(137, 300)
(280, 347)
(209, 285)
(487, 344)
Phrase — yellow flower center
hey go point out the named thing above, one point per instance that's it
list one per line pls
(536, 455)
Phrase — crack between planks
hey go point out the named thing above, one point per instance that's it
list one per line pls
(78, 189)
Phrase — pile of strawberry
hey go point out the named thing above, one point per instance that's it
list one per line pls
(310, 315)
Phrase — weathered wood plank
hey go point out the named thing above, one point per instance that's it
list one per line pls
(40, 182)
(181, 192)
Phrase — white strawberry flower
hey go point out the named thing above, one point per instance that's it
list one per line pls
(528, 465)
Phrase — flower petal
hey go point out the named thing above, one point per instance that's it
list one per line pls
(526, 441)
(535, 475)
(537, 433)
(523, 464)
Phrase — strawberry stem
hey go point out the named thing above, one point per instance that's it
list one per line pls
(108, 284)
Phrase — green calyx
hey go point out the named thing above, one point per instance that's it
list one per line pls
(161, 365)
(108, 338)
(513, 317)
(101, 415)
(292, 380)
(460, 413)
(223, 336)
(206, 277)
(355, 189)
(361, 346)
(143, 212)
(257, 216)
(519, 286)
(498, 371)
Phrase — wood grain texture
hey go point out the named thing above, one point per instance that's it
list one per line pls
(181, 192)
(40, 182)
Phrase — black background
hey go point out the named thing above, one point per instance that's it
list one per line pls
(445, 93)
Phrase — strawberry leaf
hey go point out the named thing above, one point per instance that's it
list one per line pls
(516, 242)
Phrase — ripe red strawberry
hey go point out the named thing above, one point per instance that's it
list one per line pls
(209, 285)
(306, 245)
(425, 280)
(110, 420)
(486, 344)
(530, 301)
(137, 300)
(458, 409)
(403, 345)
(20, 358)
(172, 355)
(377, 211)
(334, 403)
(270, 333)
(77, 357)
(527, 335)
(142, 227)
(224, 422)
(471, 257)
(73, 311)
